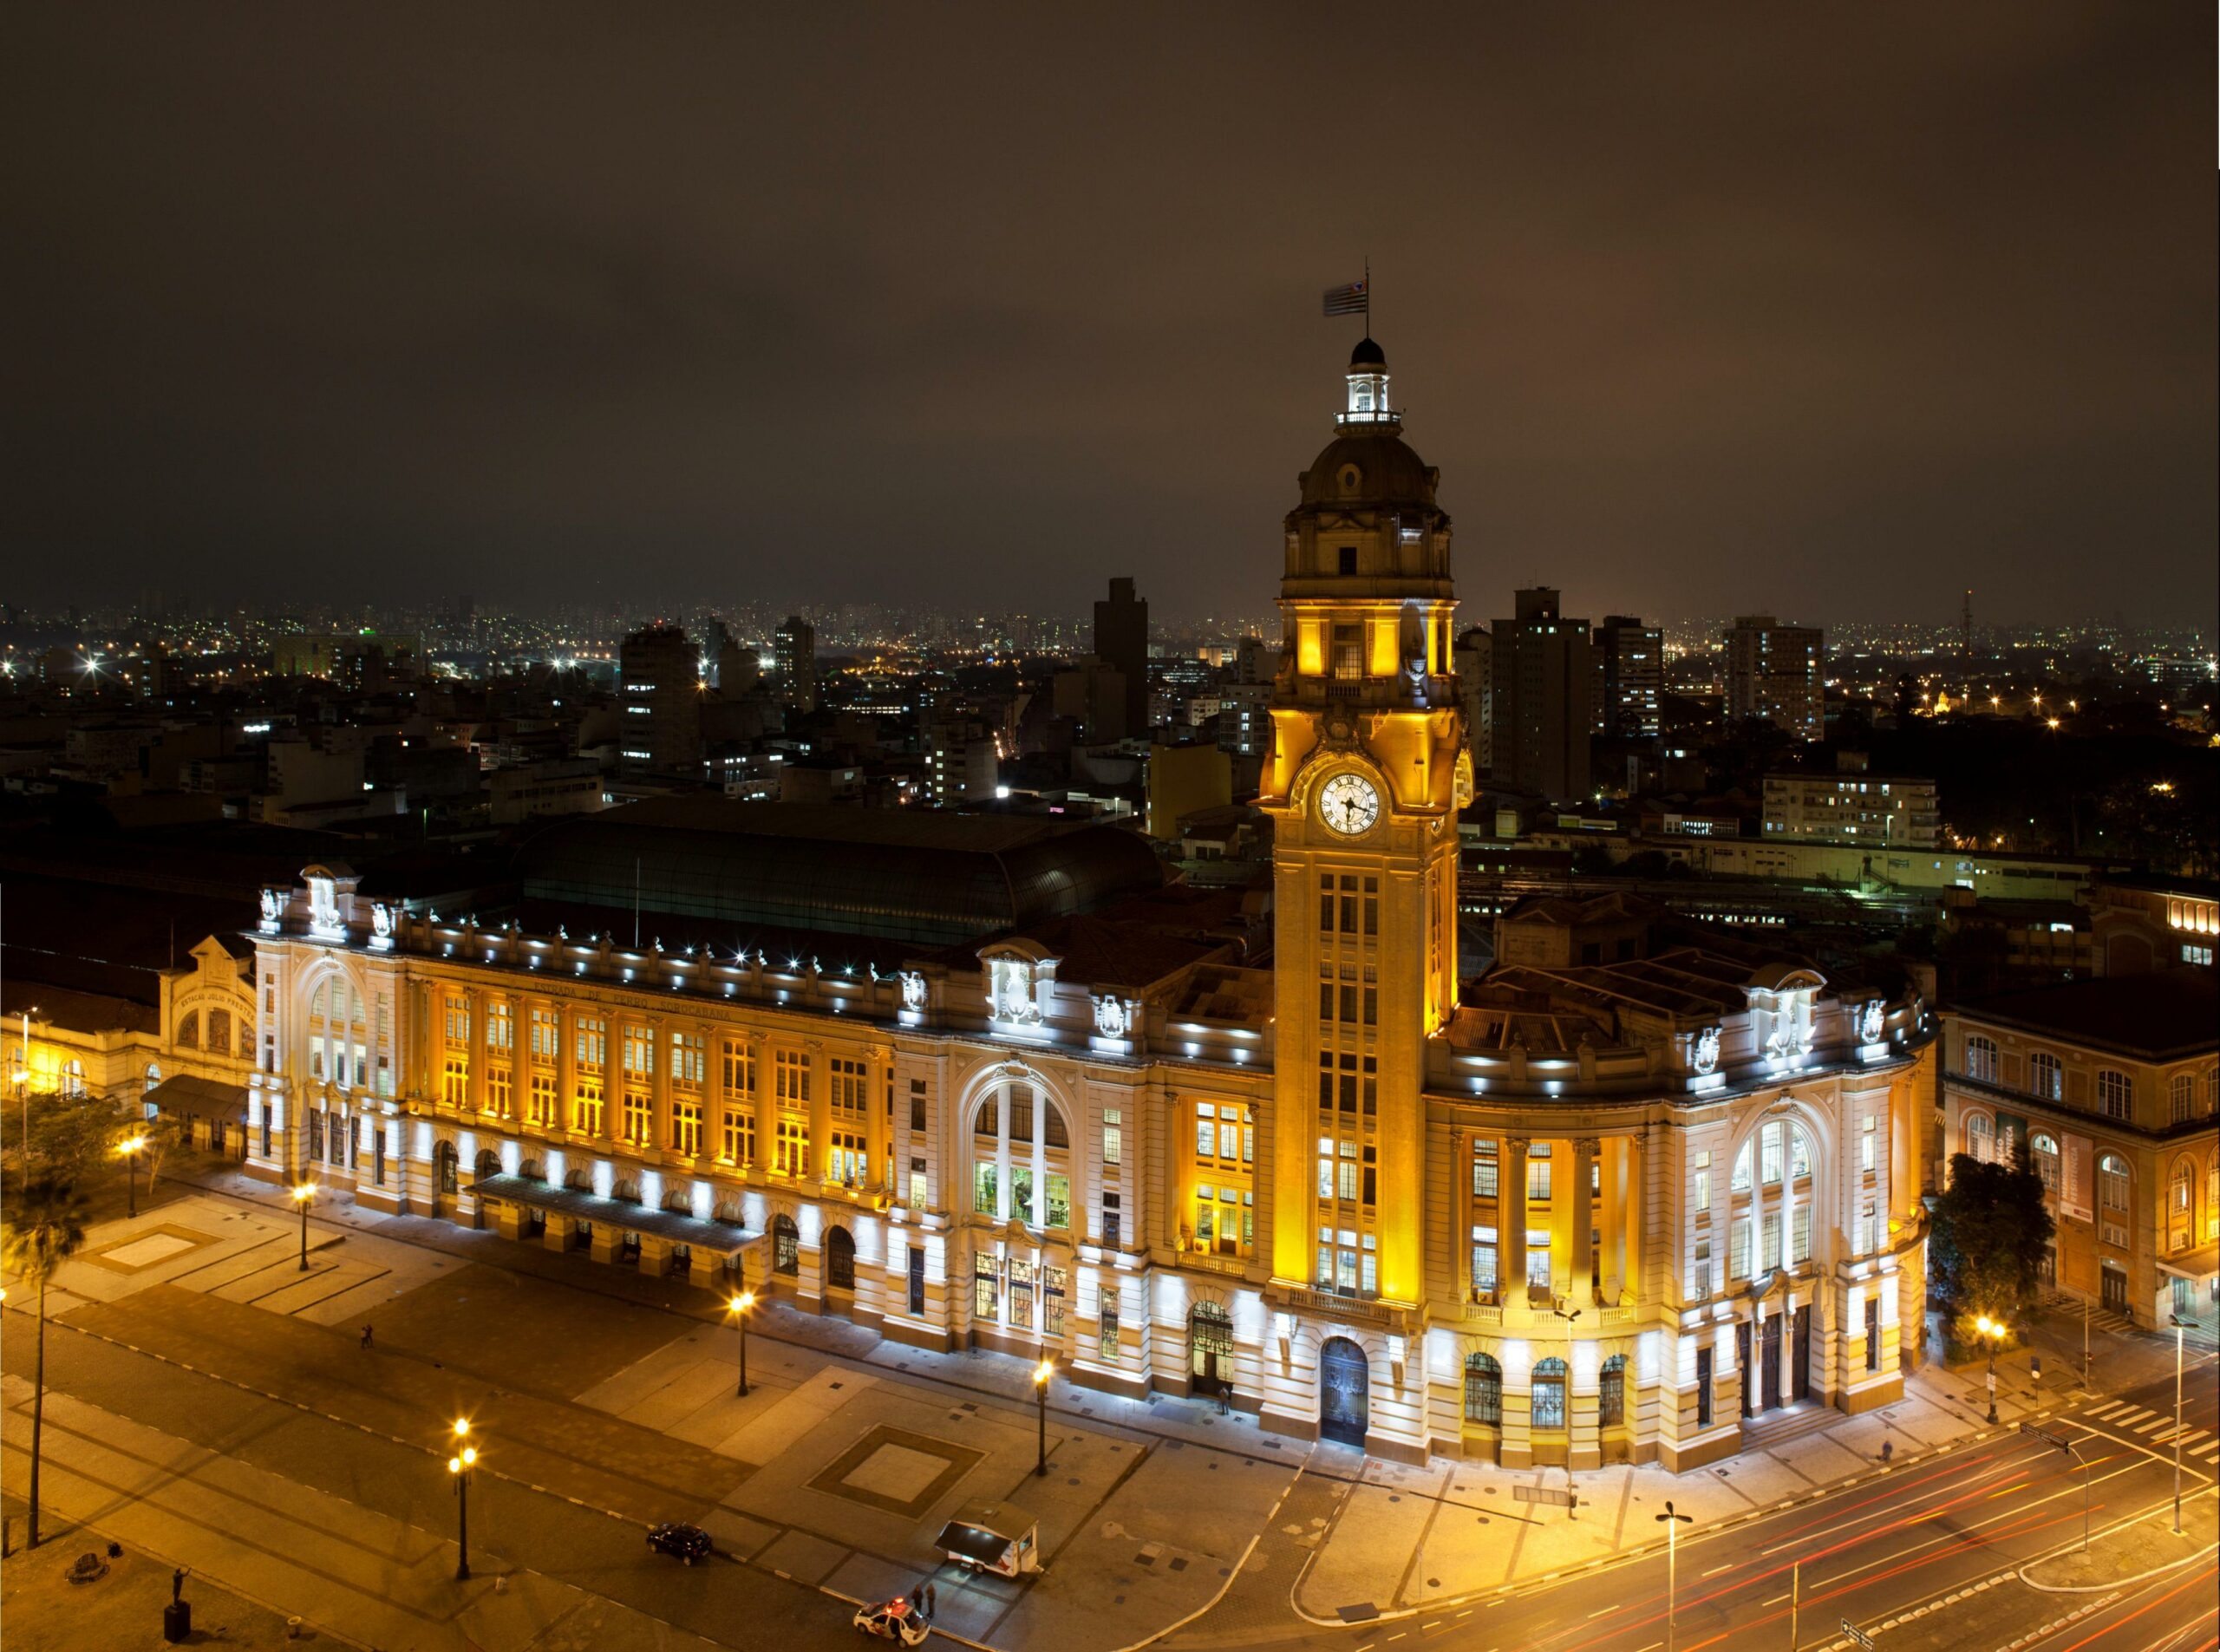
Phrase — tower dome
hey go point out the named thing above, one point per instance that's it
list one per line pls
(1368, 355)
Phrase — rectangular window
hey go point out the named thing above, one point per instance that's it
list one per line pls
(1738, 1250)
(593, 1045)
(1538, 1173)
(917, 1104)
(635, 1118)
(686, 1129)
(543, 1099)
(1484, 1280)
(1113, 1136)
(918, 1191)
(689, 1060)
(454, 1080)
(1052, 1304)
(1867, 1136)
(500, 1028)
(850, 1090)
(1769, 1139)
(1799, 1234)
(639, 1052)
(1703, 1388)
(1113, 1220)
(917, 1280)
(986, 1289)
(1111, 1333)
(1699, 1280)
(1872, 1333)
(791, 1147)
(501, 1091)
(1537, 1258)
(736, 1139)
(790, 1078)
(1059, 1212)
(1484, 1170)
(1769, 1241)
(546, 1034)
(740, 1067)
(1019, 1314)
(585, 1109)
(985, 1193)
(1205, 1131)
(1703, 1184)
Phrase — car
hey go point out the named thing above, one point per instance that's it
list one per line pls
(679, 1540)
(894, 1620)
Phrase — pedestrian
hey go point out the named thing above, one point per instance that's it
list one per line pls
(366, 1336)
(1225, 1397)
(1888, 1449)
(932, 1600)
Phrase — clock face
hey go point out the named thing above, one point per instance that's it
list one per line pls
(1349, 804)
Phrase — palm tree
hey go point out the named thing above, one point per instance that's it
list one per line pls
(44, 1230)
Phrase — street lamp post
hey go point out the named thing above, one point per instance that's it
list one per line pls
(1991, 1331)
(1673, 1524)
(2180, 1325)
(129, 1148)
(303, 1194)
(1041, 1373)
(458, 1466)
(740, 1305)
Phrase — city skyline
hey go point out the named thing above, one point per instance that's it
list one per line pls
(1830, 328)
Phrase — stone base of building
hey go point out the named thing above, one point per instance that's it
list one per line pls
(910, 1334)
(1394, 1450)
(386, 1201)
(1679, 1459)
(1118, 1382)
(259, 1171)
(1294, 1427)
(1885, 1391)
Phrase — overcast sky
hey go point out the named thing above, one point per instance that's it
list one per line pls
(1830, 310)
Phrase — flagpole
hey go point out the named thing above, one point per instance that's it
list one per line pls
(1368, 295)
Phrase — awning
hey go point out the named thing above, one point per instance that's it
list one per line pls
(2197, 1266)
(191, 1098)
(718, 1239)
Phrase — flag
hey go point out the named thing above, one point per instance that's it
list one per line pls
(1355, 299)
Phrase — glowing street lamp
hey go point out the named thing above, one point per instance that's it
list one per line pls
(1041, 1373)
(1992, 1332)
(740, 1306)
(303, 1193)
(2180, 1325)
(1673, 1524)
(459, 1466)
(130, 1147)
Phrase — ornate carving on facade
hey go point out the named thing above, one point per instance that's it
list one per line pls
(1114, 1017)
(913, 990)
(1703, 1051)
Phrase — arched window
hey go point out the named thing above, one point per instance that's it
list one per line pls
(2112, 1195)
(785, 1245)
(447, 1162)
(489, 1164)
(1611, 1392)
(2181, 1098)
(219, 1032)
(153, 1075)
(839, 1258)
(2046, 1078)
(2212, 1194)
(2115, 1093)
(338, 1036)
(1018, 1172)
(1980, 1058)
(73, 1077)
(188, 1030)
(1980, 1137)
(2181, 1205)
(1483, 1390)
(2045, 1153)
(1548, 1393)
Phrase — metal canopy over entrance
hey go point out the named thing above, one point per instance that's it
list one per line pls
(716, 1239)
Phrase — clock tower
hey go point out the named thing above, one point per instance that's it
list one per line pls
(1367, 772)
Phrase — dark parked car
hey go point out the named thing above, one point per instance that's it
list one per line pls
(687, 1543)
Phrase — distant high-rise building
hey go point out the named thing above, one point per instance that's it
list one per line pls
(1545, 698)
(1632, 657)
(659, 672)
(1474, 658)
(1777, 672)
(1121, 642)
(794, 648)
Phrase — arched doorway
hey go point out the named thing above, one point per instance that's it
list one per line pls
(839, 1258)
(785, 1245)
(1344, 1391)
(445, 1180)
(489, 1164)
(1210, 1347)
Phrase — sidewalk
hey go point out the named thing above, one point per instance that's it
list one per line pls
(123, 1607)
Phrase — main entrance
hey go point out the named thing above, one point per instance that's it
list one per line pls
(1210, 1347)
(2113, 1291)
(1799, 1377)
(1344, 1391)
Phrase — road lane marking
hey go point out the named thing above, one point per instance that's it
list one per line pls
(1716, 1571)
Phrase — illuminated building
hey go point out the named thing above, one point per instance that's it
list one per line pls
(983, 1081)
(1852, 806)
(1543, 707)
(1776, 672)
(1632, 657)
(659, 697)
(793, 648)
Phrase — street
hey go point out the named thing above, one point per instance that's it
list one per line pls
(226, 1416)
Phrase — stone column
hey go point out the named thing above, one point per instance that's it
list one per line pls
(1615, 1205)
(659, 1061)
(478, 1000)
(876, 1099)
(1512, 1208)
(1584, 1151)
(566, 1069)
(1632, 1213)
(820, 1111)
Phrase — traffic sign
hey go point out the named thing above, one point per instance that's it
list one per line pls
(1857, 1637)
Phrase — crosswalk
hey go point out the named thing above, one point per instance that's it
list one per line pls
(2156, 1428)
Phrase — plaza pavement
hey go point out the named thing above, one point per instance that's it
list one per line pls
(614, 1394)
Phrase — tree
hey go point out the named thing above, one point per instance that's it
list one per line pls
(45, 1231)
(1985, 1250)
(71, 1136)
(162, 1135)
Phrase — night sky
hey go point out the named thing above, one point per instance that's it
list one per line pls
(1830, 311)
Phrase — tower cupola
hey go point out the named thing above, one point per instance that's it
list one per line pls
(1367, 380)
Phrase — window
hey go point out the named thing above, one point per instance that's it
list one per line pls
(740, 1067)
(1799, 1234)
(1538, 1173)
(2044, 1150)
(785, 1245)
(593, 1046)
(1348, 1263)
(2045, 1077)
(689, 1060)
(1980, 1058)
(585, 1107)
(542, 1114)
(791, 1147)
(454, 1080)
(1611, 1392)
(188, 1031)
(1702, 1195)
(1738, 1249)
(986, 1288)
(2115, 1093)
(1484, 1170)
(1868, 1135)
(918, 1191)
(2181, 1098)
(1703, 1388)
(639, 1052)
(636, 1118)
(1980, 1137)
(1537, 1258)
(917, 1280)
(917, 1104)
(1483, 1390)
(1548, 1393)
(790, 1078)
(1769, 1141)
(1484, 1249)
(546, 1035)
(1113, 1219)
(736, 1138)
(2181, 1199)
(849, 1086)
(1741, 1183)
(500, 1089)
(500, 1026)
(1110, 1332)
(1700, 1279)
(2111, 1195)
(1872, 1333)
(1114, 1137)
(686, 1129)
(847, 1162)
